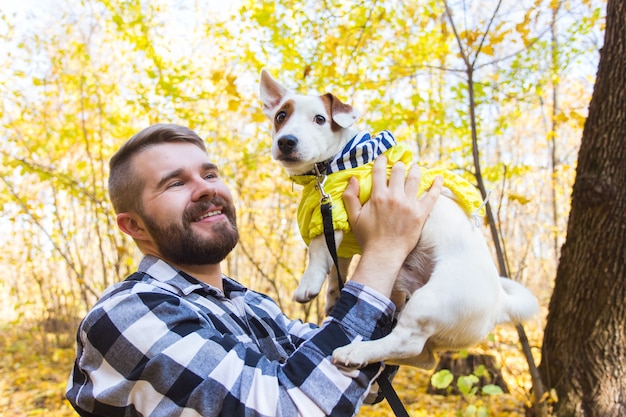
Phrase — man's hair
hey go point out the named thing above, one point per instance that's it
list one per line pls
(126, 185)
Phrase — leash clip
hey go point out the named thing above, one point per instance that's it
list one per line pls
(320, 179)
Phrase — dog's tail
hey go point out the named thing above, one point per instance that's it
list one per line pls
(519, 303)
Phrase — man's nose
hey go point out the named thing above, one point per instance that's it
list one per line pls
(203, 189)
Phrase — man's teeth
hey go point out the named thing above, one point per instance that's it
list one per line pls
(210, 214)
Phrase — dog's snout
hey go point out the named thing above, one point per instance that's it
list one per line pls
(287, 143)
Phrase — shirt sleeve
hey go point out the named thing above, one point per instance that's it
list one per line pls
(151, 354)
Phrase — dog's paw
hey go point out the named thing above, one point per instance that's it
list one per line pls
(350, 356)
(310, 285)
(304, 295)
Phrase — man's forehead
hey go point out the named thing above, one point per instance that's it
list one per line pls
(171, 151)
(172, 156)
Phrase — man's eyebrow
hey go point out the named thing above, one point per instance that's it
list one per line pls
(207, 166)
(167, 177)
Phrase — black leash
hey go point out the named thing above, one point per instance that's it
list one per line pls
(329, 233)
(326, 206)
(392, 397)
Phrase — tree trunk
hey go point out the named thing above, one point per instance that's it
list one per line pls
(584, 347)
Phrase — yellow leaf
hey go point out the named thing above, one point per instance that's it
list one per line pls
(522, 199)
(487, 50)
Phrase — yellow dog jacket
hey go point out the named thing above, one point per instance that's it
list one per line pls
(356, 160)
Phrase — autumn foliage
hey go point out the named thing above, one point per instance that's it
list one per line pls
(80, 77)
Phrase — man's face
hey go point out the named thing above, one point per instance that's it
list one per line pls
(187, 209)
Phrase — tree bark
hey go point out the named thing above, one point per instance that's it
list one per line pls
(584, 347)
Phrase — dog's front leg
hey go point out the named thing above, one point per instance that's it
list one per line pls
(318, 268)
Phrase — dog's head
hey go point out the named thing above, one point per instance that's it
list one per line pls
(305, 129)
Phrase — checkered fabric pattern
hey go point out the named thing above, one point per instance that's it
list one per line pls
(162, 343)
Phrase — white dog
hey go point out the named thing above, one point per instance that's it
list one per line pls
(454, 295)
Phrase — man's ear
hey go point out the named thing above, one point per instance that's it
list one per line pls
(132, 225)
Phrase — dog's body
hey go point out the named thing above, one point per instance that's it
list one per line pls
(455, 295)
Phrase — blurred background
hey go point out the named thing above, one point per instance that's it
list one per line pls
(494, 88)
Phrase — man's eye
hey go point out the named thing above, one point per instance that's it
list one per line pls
(175, 184)
(210, 176)
(320, 120)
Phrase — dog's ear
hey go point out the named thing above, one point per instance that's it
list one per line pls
(271, 92)
(343, 114)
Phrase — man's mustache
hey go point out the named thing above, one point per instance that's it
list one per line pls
(197, 209)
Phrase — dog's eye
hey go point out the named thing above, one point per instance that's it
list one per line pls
(320, 120)
(281, 116)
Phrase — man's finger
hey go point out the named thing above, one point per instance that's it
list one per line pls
(413, 178)
(431, 196)
(379, 173)
(351, 199)
(397, 177)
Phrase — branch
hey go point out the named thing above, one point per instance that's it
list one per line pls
(56, 247)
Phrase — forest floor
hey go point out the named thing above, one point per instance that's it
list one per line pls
(35, 366)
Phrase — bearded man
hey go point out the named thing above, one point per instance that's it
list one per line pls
(179, 338)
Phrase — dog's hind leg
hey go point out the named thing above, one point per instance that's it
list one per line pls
(425, 360)
(402, 347)
(406, 344)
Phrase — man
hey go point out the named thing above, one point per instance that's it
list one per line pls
(178, 338)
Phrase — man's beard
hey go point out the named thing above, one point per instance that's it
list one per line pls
(179, 243)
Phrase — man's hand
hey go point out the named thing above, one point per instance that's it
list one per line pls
(389, 224)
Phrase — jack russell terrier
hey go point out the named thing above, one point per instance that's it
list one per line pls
(451, 292)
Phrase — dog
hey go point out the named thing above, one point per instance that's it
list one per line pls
(449, 292)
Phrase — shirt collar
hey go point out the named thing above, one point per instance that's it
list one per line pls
(183, 282)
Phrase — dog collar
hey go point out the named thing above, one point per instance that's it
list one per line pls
(359, 151)
(319, 168)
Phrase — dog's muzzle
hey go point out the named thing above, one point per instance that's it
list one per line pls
(287, 144)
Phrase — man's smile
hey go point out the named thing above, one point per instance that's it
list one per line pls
(208, 214)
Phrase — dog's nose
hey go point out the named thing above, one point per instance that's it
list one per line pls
(287, 143)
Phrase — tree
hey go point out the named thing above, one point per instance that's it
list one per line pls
(584, 348)
(80, 76)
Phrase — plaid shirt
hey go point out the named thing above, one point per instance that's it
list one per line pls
(162, 343)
